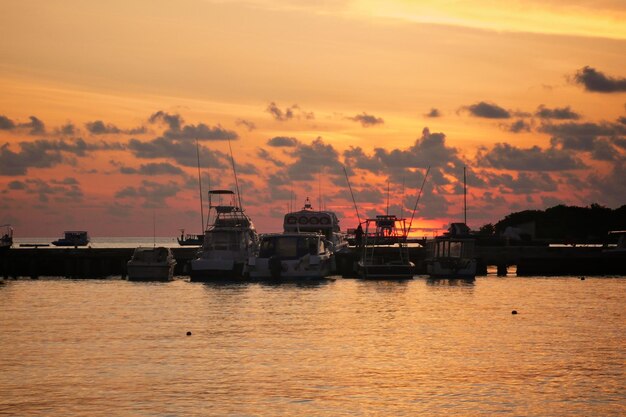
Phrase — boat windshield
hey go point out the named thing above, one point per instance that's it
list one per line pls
(217, 240)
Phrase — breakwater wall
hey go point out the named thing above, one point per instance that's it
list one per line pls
(102, 262)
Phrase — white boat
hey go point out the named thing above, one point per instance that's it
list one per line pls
(228, 242)
(6, 241)
(384, 252)
(324, 222)
(151, 264)
(292, 257)
(73, 238)
(452, 255)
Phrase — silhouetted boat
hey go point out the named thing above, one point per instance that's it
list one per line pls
(151, 264)
(228, 242)
(6, 241)
(619, 239)
(73, 238)
(384, 249)
(452, 255)
(190, 239)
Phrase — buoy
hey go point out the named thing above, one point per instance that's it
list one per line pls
(188, 333)
(582, 278)
(514, 312)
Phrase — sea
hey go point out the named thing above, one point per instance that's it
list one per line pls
(341, 347)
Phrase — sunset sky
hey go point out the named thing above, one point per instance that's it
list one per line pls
(101, 104)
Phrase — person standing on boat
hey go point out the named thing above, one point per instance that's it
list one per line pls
(358, 235)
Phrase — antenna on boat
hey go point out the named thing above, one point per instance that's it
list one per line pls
(351, 193)
(464, 197)
(387, 213)
(232, 160)
(200, 185)
(418, 199)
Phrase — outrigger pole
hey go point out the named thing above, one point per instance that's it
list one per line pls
(418, 198)
(351, 193)
(232, 160)
(200, 185)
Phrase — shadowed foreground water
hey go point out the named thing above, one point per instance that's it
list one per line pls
(347, 347)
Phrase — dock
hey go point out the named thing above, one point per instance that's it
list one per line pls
(529, 260)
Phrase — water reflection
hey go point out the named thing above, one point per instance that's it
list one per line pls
(451, 282)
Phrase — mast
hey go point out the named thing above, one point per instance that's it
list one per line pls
(387, 213)
(352, 194)
(464, 197)
(418, 199)
(232, 160)
(200, 186)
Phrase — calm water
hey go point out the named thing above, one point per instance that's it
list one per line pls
(348, 347)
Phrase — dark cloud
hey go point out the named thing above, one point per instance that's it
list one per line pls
(98, 127)
(622, 120)
(6, 123)
(266, 156)
(524, 183)
(433, 113)
(562, 113)
(310, 159)
(289, 113)
(505, 156)
(283, 141)
(183, 152)
(367, 120)
(518, 126)
(159, 168)
(246, 123)
(67, 129)
(597, 138)
(177, 129)
(596, 81)
(66, 190)
(609, 189)
(35, 125)
(488, 111)
(154, 194)
(45, 154)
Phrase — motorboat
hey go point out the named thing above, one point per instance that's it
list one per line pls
(190, 239)
(324, 222)
(383, 246)
(228, 241)
(452, 255)
(73, 238)
(617, 239)
(292, 257)
(6, 241)
(151, 264)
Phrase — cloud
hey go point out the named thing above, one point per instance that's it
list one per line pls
(45, 154)
(67, 129)
(35, 125)
(622, 120)
(609, 189)
(518, 126)
(266, 156)
(183, 152)
(289, 112)
(433, 113)
(310, 159)
(283, 141)
(160, 168)
(596, 81)
(66, 190)
(488, 111)
(177, 129)
(505, 156)
(367, 120)
(563, 113)
(597, 138)
(153, 193)
(246, 123)
(524, 183)
(6, 123)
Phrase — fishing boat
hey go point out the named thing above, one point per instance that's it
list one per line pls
(324, 222)
(190, 239)
(292, 257)
(6, 241)
(452, 255)
(228, 241)
(384, 249)
(151, 264)
(73, 238)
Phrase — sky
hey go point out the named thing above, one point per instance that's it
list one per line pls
(106, 108)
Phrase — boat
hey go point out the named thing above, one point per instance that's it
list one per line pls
(292, 256)
(151, 264)
(228, 242)
(73, 238)
(324, 222)
(452, 255)
(617, 239)
(6, 241)
(384, 252)
(190, 239)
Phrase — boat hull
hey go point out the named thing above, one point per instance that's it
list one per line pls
(150, 272)
(203, 270)
(386, 271)
(452, 269)
(289, 270)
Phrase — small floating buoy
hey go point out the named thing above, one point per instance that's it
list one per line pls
(188, 333)
(582, 278)
(514, 312)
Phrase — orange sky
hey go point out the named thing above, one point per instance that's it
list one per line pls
(101, 105)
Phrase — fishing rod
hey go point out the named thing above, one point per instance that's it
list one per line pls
(200, 185)
(351, 193)
(418, 199)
